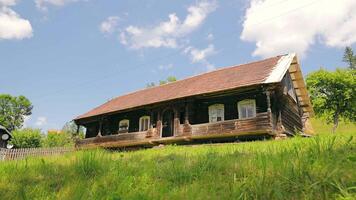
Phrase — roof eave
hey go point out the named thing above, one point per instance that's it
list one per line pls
(290, 62)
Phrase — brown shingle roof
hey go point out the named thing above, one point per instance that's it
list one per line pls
(214, 81)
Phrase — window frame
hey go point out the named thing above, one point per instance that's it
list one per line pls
(247, 102)
(124, 121)
(288, 84)
(141, 123)
(216, 106)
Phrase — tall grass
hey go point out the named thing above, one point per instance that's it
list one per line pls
(322, 167)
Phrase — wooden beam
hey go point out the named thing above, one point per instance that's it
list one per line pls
(268, 95)
(186, 116)
(100, 127)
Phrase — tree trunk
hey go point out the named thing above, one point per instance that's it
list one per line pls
(336, 121)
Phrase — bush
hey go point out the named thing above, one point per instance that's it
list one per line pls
(57, 139)
(26, 138)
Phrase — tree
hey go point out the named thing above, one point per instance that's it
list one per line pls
(149, 85)
(333, 95)
(26, 138)
(71, 129)
(13, 111)
(349, 58)
(57, 139)
(169, 79)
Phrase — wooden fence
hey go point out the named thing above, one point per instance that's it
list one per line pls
(13, 154)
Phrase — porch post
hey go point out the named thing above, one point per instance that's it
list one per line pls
(187, 129)
(78, 128)
(268, 95)
(159, 123)
(150, 131)
(151, 120)
(186, 116)
(176, 122)
(269, 110)
(100, 127)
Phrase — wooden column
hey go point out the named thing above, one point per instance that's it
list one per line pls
(186, 116)
(78, 128)
(268, 95)
(176, 122)
(187, 129)
(150, 131)
(100, 128)
(159, 124)
(151, 119)
(269, 109)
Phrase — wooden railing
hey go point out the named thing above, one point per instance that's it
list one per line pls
(13, 154)
(255, 124)
(111, 138)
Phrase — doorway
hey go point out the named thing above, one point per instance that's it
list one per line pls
(167, 123)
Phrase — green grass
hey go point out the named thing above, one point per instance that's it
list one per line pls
(321, 167)
(321, 127)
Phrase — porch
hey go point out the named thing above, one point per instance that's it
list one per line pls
(261, 124)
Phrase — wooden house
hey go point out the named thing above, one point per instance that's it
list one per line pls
(267, 98)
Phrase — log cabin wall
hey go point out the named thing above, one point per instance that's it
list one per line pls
(291, 118)
(111, 122)
(289, 109)
(200, 108)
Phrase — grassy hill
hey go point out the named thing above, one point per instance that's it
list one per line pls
(321, 127)
(322, 167)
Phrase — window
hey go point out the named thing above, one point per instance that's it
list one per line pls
(216, 113)
(247, 108)
(144, 123)
(124, 125)
(288, 86)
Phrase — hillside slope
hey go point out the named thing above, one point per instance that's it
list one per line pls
(321, 167)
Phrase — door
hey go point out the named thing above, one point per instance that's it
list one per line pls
(168, 125)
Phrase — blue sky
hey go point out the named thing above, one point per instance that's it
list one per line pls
(69, 56)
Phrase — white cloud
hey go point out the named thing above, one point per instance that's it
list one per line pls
(201, 55)
(165, 67)
(8, 2)
(43, 4)
(293, 26)
(166, 33)
(210, 37)
(12, 26)
(109, 25)
(41, 121)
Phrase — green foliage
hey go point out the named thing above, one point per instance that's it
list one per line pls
(31, 138)
(149, 85)
(71, 129)
(321, 167)
(169, 79)
(349, 58)
(333, 94)
(13, 111)
(26, 138)
(55, 139)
